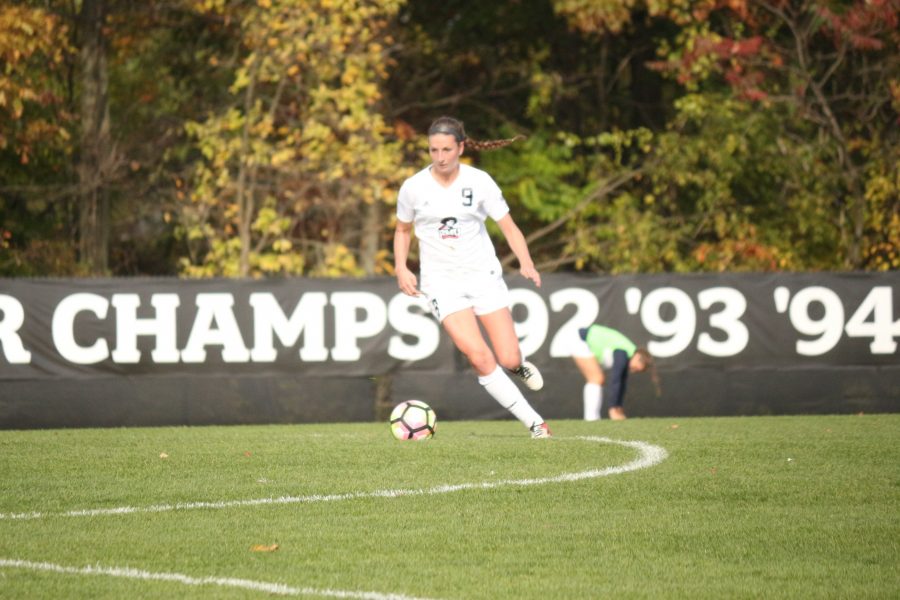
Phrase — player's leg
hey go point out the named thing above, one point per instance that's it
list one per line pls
(617, 385)
(487, 296)
(592, 392)
(500, 330)
(502, 333)
(462, 327)
(490, 301)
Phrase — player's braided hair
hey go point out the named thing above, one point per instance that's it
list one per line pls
(454, 127)
(651, 368)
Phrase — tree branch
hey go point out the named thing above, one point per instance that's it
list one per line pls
(603, 191)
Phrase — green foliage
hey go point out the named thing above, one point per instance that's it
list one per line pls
(712, 197)
(270, 137)
(767, 164)
(538, 175)
(802, 57)
(882, 228)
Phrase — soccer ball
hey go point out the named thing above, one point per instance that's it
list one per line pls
(412, 420)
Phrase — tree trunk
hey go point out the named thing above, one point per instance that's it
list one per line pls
(97, 157)
(370, 240)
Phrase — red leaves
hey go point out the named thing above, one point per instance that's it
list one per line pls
(861, 22)
(769, 34)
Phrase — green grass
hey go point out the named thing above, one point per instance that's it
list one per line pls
(787, 507)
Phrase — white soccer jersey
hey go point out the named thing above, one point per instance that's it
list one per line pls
(449, 222)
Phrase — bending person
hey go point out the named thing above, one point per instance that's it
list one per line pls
(602, 348)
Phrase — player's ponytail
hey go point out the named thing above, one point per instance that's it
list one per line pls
(454, 127)
(492, 144)
(651, 369)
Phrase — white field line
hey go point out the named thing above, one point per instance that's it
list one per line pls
(227, 582)
(649, 455)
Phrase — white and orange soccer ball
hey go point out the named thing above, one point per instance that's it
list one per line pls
(413, 420)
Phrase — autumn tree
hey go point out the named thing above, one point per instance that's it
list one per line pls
(35, 136)
(296, 167)
(97, 157)
(92, 150)
(226, 137)
(834, 69)
(826, 72)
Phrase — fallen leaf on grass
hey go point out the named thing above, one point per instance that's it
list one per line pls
(263, 548)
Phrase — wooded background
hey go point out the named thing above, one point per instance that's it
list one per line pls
(234, 138)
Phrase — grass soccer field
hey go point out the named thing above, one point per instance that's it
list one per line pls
(785, 507)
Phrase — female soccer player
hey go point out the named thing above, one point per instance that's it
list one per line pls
(461, 277)
(601, 348)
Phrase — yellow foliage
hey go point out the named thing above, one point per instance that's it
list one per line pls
(324, 148)
(339, 262)
(31, 109)
(596, 15)
(282, 156)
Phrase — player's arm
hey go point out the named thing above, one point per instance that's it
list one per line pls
(618, 377)
(406, 279)
(519, 246)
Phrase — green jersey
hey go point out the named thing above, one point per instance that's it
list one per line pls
(603, 341)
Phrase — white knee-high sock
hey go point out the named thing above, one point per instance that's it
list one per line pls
(505, 392)
(593, 400)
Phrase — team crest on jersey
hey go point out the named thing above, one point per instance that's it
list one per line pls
(448, 228)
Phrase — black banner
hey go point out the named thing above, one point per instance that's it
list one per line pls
(78, 328)
(144, 330)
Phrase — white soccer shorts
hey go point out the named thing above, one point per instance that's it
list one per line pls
(482, 292)
(580, 349)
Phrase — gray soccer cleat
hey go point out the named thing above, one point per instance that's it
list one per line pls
(540, 431)
(530, 376)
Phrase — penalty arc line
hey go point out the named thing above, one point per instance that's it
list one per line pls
(649, 455)
(227, 582)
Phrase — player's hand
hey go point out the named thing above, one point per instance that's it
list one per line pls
(529, 272)
(407, 282)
